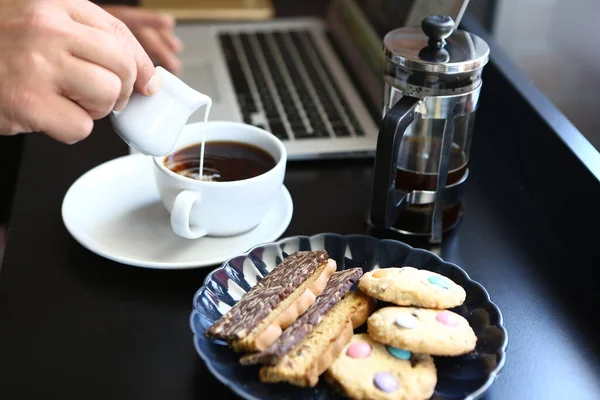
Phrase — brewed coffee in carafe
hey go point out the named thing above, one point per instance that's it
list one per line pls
(431, 90)
(417, 169)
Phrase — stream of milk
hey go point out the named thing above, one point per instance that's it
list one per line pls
(202, 145)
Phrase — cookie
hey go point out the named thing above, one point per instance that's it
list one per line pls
(359, 307)
(366, 369)
(422, 330)
(308, 346)
(410, 286)
(275, 302)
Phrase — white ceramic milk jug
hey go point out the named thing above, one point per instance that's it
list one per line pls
(152, 124)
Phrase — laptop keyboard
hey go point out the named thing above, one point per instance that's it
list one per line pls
(283, 86)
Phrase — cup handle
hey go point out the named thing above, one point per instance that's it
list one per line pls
(180, 216)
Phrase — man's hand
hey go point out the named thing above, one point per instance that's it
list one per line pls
(64, 64)
(154, 31)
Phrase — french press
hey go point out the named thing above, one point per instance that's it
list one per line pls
(432, 81)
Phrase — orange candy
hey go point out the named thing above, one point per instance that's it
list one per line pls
(380, 273)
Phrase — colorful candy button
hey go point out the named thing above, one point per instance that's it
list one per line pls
(447, 318)
(407, 321)
(398, 353)
(380, 273)
(385, 382)
(438, 281)
(359, 350)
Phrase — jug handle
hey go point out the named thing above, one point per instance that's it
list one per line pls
(396, 120)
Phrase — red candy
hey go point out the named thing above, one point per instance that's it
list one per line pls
(447, 318)
(358, 350)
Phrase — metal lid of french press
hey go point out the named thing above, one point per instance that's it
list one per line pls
(436, 47)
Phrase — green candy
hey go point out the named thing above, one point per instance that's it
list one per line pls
(439, 281)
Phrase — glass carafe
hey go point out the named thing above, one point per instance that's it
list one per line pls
(432, 84)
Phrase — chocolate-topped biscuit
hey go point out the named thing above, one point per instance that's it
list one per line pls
(309, 346)
(338, 285)
(259, 317)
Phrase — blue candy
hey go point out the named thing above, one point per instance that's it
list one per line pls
(398, 353)
(439, 281)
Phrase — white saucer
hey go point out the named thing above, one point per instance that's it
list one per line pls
(114, 210)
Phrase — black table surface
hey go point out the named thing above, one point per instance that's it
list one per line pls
(74, 325)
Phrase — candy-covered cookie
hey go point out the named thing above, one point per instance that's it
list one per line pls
(421, 330)
(366, 369)
(408, 286)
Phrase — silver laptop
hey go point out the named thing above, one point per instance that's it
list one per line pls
(292, 77)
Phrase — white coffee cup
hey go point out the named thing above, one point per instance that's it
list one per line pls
(200, 208)
(152, 124)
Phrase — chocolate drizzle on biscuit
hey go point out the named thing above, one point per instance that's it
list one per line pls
(268, 293)
(337, 286)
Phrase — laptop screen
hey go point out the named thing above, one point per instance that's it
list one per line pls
(385, 15)
(358, 28)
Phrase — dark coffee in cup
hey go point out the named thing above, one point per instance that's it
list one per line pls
(224, 161)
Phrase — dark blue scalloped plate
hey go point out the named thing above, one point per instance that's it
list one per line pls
(465, 377)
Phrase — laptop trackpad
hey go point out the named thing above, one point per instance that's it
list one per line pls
(199, 74)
